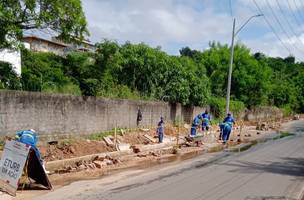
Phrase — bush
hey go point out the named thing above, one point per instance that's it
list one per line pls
(218, 106)
(8, 77)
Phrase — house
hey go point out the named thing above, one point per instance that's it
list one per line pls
(38, 44)
(56, 46)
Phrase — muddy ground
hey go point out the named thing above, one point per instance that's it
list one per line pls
(81, 146)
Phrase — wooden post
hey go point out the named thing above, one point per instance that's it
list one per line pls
(115, 137)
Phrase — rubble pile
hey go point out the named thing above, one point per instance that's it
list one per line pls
(262, 126)
(97, 162)
(265, 126)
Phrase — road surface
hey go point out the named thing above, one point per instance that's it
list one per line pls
(272, 170)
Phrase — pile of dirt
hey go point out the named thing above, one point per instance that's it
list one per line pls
(135, 138)
(69, 148)
(64, 150)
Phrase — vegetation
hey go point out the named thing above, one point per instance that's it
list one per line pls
(8, 77)
(65, 17)
(137, 71)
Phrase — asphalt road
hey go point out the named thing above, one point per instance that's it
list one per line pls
(272, 170)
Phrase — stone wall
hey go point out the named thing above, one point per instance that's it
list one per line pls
(64, 114)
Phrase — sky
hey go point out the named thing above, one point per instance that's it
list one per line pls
(173, 24)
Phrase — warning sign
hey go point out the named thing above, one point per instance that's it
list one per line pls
(11, 165)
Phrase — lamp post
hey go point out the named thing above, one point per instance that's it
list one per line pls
(234, 33)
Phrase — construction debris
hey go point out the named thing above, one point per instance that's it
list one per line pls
(262, 126)
(136, 149)
(296, 117)
(97, 162)
(151, 139)
(144, 129)
(108, 141)
(123, 147)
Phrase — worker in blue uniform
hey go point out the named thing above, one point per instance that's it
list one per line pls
(29, 137)
(226, 127)
(161, 129)
(205, 121)
(195, 123)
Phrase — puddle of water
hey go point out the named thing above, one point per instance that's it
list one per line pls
(263, 140)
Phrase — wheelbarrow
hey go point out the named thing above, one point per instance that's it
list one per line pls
(194, 140)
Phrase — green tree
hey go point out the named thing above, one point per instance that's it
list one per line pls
(81, 69)
(8, 77)
(299, 84)
(65, 17)
(44, 72)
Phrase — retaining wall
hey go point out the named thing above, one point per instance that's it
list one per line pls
(56, 114)
(64, 114)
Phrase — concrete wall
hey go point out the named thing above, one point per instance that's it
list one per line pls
(263, 113)
(67, 115)
(63, 114)
(13, 57)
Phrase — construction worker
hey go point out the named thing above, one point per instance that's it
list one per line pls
(160, 130)
(195, 123)
(139, 116)
(205, 121)
(226, 127)
(29, 137)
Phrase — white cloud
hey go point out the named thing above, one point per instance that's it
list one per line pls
(156, 22)
(173, 24)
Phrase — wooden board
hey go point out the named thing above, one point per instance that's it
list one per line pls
(108, 141)
(150, 138)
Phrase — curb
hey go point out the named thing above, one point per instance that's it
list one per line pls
(53, 165)
(134, 164)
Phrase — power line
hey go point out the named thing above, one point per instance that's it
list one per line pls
(298, 9)
(288, 23)
(294, 15)
(281, 26)
(271, 27)
(278, 21)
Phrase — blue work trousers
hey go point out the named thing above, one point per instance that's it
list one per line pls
(193, 131)
(226, 133)
(160, 137)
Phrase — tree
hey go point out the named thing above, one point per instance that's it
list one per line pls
(8, 77)
(186, 51)
(299, 84)
(44, 72)
(65, 17)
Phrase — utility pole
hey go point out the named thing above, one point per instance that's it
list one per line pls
(230, 67)
(234, 33)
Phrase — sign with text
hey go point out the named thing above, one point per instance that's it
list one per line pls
(11, 165)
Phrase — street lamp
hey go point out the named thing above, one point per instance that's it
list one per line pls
(231, 57)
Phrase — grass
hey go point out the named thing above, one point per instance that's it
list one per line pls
(101, 135)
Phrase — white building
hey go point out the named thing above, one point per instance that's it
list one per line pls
(13, 57)
(38, 44)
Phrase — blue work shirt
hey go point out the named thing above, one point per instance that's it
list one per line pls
(229, 120)
(206, 119)
(196, 120)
